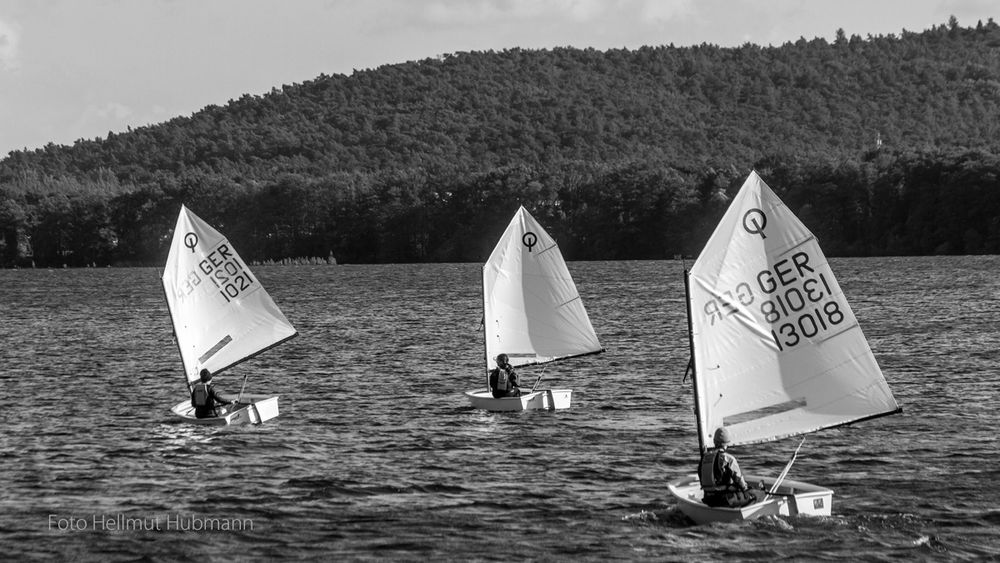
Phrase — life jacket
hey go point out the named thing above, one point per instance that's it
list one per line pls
(200, 395)
(503, 380)
(710, 472)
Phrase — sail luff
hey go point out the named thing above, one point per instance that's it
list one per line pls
(486, 351)
(694, 363)
(173, 331)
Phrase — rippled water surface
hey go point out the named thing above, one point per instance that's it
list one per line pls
(376, 455)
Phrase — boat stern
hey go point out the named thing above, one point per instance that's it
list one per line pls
(266, 409)
(557, 398)
(255, 411)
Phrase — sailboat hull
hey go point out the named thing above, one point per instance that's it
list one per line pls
(795, 498)
(254, 410)
(537, 400)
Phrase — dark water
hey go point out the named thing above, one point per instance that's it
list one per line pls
(376, 455)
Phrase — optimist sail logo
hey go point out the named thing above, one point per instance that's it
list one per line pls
(191, 241)
(756, 219)
(529, 239)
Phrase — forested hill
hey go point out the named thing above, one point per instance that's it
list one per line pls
(882, 145)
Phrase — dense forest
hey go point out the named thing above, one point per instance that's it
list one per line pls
(885, 145)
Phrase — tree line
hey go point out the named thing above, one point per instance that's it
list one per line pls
(884, 145)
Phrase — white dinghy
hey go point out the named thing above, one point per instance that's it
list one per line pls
(775, 348)
(221, 315)
(531, 312)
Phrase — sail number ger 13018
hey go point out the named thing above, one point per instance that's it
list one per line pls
(794, 299)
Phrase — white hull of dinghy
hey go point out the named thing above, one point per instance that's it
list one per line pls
(254, 409)
(796, 498)
(541, 399)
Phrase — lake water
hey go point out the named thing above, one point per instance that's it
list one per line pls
(377, 455)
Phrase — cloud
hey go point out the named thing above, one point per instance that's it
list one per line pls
(108, 116)
(457, 14)
(665, 11)
(119, 117)
(475, 12)
(9, 40)
(112, 110)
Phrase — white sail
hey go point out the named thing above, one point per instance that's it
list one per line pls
(777, 349)
(532, 311)
(220, 311)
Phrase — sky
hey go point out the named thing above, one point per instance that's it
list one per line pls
(79, 69)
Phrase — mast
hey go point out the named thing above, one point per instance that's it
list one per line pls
(173, 332)
(486, 353)
(694, 367)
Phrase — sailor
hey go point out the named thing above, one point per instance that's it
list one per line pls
(503, 379)
(207, 402)
(721, 480)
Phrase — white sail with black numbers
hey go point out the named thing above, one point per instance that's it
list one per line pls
(777, 349)
(221, 313)
(532, 311)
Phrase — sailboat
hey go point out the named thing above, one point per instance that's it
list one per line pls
(221, 315)
(531, 312)
(776, 350)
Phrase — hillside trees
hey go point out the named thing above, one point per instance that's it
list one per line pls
(883, 145)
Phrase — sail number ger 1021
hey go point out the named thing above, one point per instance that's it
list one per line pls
(793, 298)
(221, 267)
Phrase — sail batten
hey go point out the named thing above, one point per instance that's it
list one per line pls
(777, 347)
(532, 310)
(220, 312)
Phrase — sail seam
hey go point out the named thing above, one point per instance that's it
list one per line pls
(811, 237)
(577, 298)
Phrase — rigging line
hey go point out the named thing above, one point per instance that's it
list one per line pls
(544, 250)
(784, 472)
